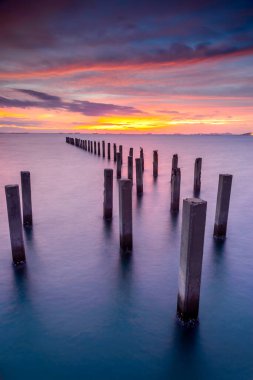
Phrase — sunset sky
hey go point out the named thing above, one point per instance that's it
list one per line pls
(126, 66)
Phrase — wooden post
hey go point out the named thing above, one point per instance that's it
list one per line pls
(108, 193)
(15, 223)
(155, 163)
(99, 148)
(26, 198)
(125, 214)
(142, 158)
(130, 167)
(174, 163)
(91, 146)
(139, 176)
(95, 147)
(103, 149)
(197, 176)
(118, 157)
(121, 153)
(175, 190)
(222, 206)
(131, 152)
(109, 150)
(114, 152)
(191, 254)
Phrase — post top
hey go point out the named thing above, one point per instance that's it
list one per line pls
(25, 172)
(195, 201)
(9, 187)
(108, 171)
(226, 175)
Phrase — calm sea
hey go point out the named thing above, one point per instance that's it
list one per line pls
(81, 310)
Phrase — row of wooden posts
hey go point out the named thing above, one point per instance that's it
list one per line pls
(193, 227)
(193, 220)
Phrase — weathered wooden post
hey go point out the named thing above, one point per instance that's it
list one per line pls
(222, 206)
(109, 151)
(191, 254)
(197, 176)
(125, 214)
(99, 148)
(175, 190)
(139, 176)
(155, 163)
(121, 153)
(131, 152)
(103, 149)
(26, 198)
(114, 152)
(130, 167)
(91, 146)
(118, 158)
(88, 145)
(15, 223)
(108, 193)
(174, 163)
(142, 158)
(95, 147)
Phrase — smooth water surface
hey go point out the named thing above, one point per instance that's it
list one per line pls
(81, 310)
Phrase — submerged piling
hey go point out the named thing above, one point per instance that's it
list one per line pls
(118, 158)
(103, 149)
(125, 214)
(130, 167)
(142, 158)
(222, 206)
(108, 193)
(121, 153)
(131, 152)
(15, 223)
(26, 198)
(91, 146)
(99, 148)
(95, 147)
(174, 163)
(155, 163)
(139, 176)
(197, 176)
(175, 190)
(191, 254)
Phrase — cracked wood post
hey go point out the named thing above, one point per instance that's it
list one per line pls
(191, 254)
(222, 206)
(26, 198)
(108, 193)
(118, 158)
(130, 167)
(125, 214)
(175, 190)
(155, 163)
(15, 223)
(197, 176)
(139, 176)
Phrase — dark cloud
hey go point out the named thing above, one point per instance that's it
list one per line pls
(54, 102)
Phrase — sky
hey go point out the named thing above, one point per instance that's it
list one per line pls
(120, 66)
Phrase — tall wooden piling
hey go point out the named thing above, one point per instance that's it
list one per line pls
(222, 206)
(95, 147)
(131, 152)
(155, 163)
(15, 223)
(191, 254)
(103, 149)
(125, 214)
(88, 145)
(121, 153)
(26, 198)
(109, 151)
(114, 152)
(118, 158)
(108, 193)
(174, 164)
(175, 190)
(130, 167)
(197, 176)
(91, 146)
(99, 148)
(142, 158)
(139, 176)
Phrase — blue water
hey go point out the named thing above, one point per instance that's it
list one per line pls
(79, 310)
